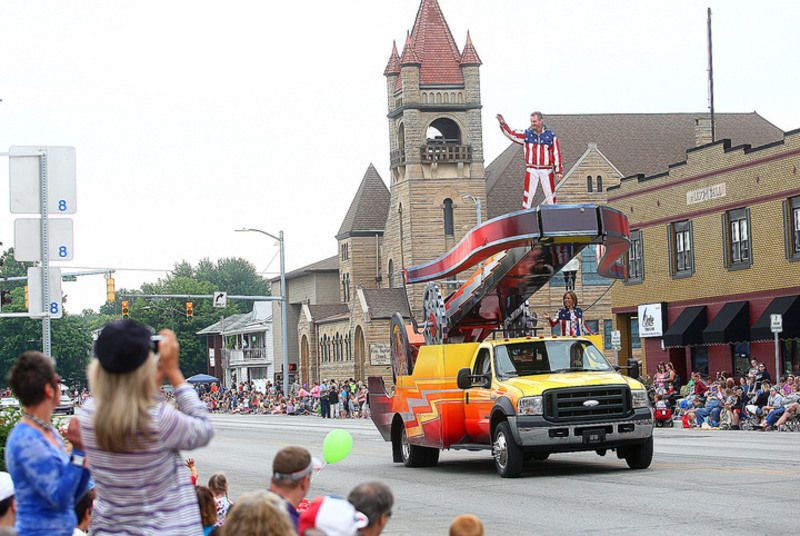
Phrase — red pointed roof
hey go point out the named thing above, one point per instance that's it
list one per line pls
(409, 56)
(393, 67)
(470, 55)
(434, 47)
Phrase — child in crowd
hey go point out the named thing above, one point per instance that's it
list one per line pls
(660, 402)
(218, 484)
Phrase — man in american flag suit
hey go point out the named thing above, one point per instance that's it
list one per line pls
(570, 317)
(542, 158)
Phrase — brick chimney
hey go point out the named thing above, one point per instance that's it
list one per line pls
(702, 131)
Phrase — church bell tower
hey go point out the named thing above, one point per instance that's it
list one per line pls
(437, 176)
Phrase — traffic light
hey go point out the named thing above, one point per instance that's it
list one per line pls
(110, 290)
(27, 303)
(125, 313)
(189, 311)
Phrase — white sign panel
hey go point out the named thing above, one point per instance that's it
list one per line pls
(220, 300)
(616, 340)
(776, 323)
(24, 180)
(706, 194)
(651, 323)
(28, 239)
(35, 292)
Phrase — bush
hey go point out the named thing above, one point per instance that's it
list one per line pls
(8, 418)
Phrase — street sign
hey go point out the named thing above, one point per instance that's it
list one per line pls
(24, 179)
(28, 239)
(220, 299)
(776, 323)
(35, 292)
(616, 340)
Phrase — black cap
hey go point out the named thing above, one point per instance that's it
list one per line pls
(122, 346)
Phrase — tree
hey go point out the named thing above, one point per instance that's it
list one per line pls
(71, 338)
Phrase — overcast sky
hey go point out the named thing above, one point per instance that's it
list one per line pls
(192, 119)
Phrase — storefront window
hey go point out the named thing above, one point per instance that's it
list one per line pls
(740, 358)
(700, 360)
(636, 341)
(790, 350)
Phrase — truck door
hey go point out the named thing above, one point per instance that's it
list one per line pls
(478, 400)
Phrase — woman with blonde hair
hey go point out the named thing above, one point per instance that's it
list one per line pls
(133, 438)
(258, 513)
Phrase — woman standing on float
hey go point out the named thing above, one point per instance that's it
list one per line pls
(570, 317)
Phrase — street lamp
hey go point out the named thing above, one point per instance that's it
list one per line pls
(477, 202)
(284, 331)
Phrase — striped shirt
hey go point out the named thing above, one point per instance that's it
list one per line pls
(149, 492)
(542, 151)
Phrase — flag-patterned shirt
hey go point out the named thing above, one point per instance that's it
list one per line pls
(541, 150)
(571, 322)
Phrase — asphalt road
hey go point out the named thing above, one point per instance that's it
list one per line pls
(701, 481)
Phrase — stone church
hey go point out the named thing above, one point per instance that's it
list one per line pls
(438, 188)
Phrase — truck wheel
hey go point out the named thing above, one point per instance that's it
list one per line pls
(640, 456)
(508, 456)
(416, 456)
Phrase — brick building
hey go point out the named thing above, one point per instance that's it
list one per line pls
(435, 180)
(715, 245)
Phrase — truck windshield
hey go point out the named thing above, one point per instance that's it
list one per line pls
(543, 357)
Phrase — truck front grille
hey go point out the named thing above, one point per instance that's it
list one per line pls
(585, 404)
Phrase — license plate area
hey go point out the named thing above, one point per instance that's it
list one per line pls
(594, 436)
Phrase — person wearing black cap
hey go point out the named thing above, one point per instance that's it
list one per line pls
(133, 437)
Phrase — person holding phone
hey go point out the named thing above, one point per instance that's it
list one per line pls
(133, 437)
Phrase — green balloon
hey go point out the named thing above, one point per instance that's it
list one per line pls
(337, 445)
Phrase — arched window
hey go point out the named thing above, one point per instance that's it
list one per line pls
(390, 275)
(599, 183)
(589, 183)
(346, 287)
(443, 130)
(447, 206)
(401, 136)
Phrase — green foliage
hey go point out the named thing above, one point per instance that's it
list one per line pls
(71, 335)
(8, 418)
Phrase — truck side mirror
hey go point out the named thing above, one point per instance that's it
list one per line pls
(463, 380)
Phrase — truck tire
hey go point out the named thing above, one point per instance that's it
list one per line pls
(640, 456)
(508, 456)
(416, 456)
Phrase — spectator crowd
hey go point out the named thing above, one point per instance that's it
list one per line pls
(752, 401)
(343, 399)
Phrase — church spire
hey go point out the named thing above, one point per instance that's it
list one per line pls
(393, 67)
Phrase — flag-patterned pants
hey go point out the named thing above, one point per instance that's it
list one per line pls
(535, 177)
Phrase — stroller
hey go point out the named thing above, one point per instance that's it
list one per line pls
(663, 417)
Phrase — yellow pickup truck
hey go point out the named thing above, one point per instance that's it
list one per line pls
(523, 399)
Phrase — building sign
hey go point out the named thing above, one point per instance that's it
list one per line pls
(705, 194)
(651, 319)
(379, 354)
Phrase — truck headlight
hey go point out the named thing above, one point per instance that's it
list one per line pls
(639, 398)
(530, 405)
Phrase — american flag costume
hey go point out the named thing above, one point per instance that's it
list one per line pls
(542, 161)
(571, 321)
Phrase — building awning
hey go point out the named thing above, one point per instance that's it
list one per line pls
(687, 330)
(789, 307)
(732, 324)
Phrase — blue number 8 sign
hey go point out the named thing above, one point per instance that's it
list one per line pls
(62, 205)
(54, 308)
